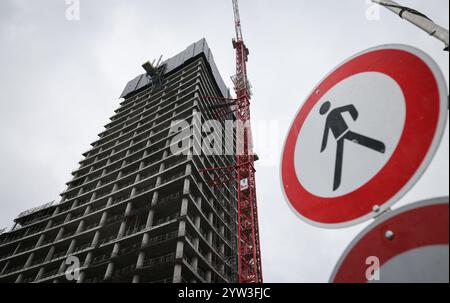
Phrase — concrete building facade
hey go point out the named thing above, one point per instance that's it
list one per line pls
(134, 211)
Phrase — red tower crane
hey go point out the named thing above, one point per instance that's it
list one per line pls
(249, 254)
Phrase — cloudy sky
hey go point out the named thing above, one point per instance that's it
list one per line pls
(60, 80)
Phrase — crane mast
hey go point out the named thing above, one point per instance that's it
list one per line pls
(249, 254)
(243, 171)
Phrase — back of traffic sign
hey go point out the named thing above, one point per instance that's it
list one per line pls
(409, 244)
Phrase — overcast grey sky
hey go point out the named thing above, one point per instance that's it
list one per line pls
(60, 80)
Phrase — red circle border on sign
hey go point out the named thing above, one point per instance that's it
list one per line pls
(422, 97)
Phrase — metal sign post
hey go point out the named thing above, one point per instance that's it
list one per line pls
(418, 19)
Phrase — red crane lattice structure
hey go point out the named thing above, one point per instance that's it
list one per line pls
(249, 253)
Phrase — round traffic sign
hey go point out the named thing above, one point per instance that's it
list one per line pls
(364, 136)
(409, 244)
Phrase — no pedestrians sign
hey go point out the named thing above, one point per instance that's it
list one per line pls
(364, 136)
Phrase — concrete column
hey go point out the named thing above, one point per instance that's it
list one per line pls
(19, 278)
(198, 201)
(162, 166)
(82, 276)
(179, 250)
(40, 273)
(196, 243)
(128, 209)
(121, 232)
(154, 198)
(115, 188)
(138, 176)
(80, 227)
(98, 184)
(197, 222)
(165, 153)
(109, 202)
(50, 254)
(4, 267)
(57, 209)
(211, 217)
(140, 260)
(88, 259)
(186, 186)
(88, 210)
(150, 217)
(209, 257)
(96, 238)
(62, 267)
(115, 251)
(210, 237)
(188, 169)
(184, 207)
(68, 217)
(182, 229)
(17, 248)
(49, 224)
(135, 278)
(208, 276)
(29, 260)
(145, 240)
(109, 271)
(177, 273)
(133, 192)
(103, 218)
(167, 143)
(142, 164)
(60, 233)
(158, 181)
(72, 246)
(194, 263)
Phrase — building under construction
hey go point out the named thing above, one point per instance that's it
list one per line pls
(134, 211)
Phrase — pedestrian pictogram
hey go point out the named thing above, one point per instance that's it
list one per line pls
(364, 136)
(341, 132)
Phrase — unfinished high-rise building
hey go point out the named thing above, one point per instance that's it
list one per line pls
(135, 211)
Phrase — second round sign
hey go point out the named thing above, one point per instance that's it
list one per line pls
(364, 136)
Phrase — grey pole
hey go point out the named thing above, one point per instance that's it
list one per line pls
(418, 19)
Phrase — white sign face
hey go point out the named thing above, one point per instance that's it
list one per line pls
(366, 143)
(421, 265)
